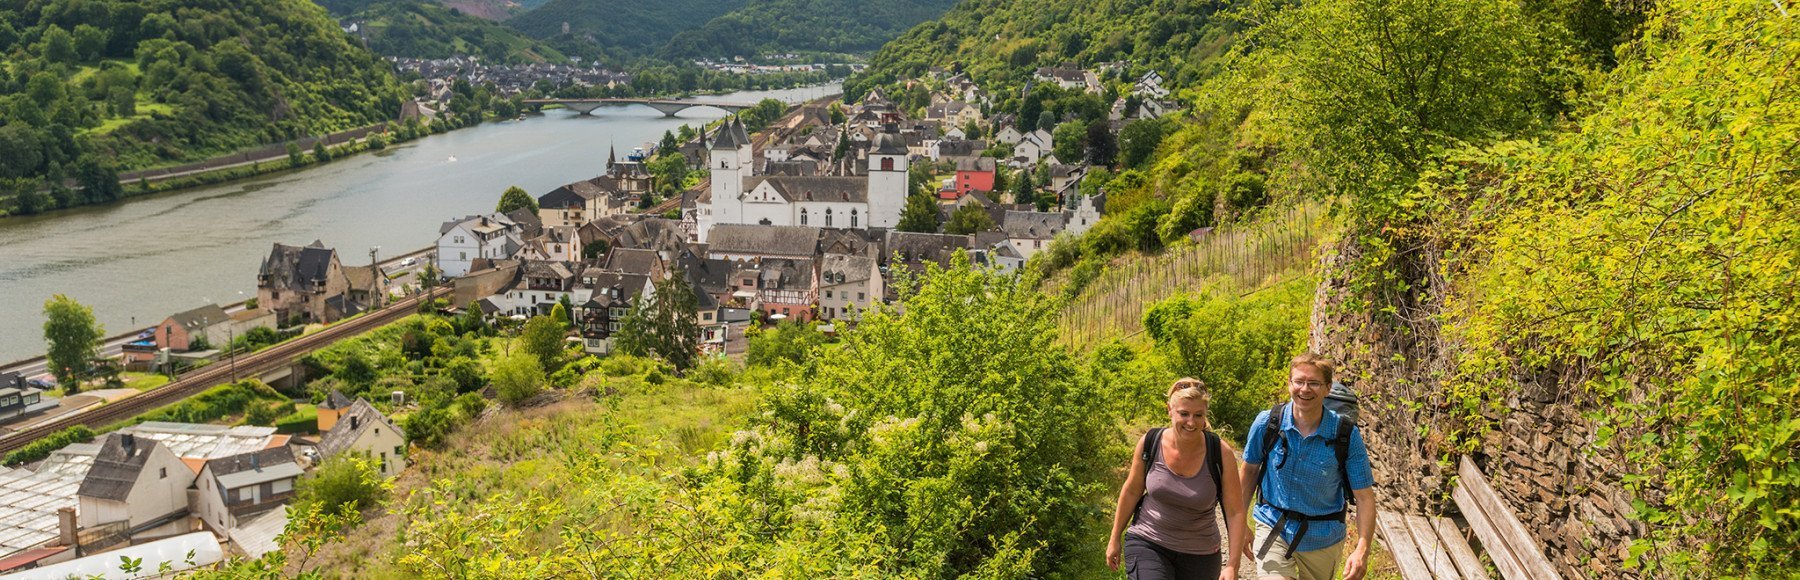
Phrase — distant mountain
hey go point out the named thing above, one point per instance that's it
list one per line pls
(616, 29)
(780, 26)
(493, 9)
(426, 29)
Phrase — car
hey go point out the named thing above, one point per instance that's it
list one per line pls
(408, 262)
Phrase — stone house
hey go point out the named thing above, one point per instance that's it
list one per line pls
(207, 324)
(304, 284)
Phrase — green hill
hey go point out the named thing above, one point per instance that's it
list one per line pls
(422, 29)
(616, 29)
(132, 84)
(804, 26)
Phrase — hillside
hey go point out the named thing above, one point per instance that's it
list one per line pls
(426, 29)
(616, 29)
(764, 27)
(106, 85)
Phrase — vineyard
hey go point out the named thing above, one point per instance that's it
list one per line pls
(1251, 256)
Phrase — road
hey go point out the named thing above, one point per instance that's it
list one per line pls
(112, 347)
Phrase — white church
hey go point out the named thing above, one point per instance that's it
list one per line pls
(738, 196)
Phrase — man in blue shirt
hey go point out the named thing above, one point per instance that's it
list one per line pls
(1303, 493)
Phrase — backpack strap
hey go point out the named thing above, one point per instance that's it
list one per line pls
(1340, 444)
(1216, 465)
(1152, 445)
(1271, 434)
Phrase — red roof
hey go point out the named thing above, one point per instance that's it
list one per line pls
(28, 557)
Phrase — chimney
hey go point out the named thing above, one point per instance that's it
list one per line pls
(65, 526)
(256, 461)
(129, 442)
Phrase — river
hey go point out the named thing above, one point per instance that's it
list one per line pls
(140, 260)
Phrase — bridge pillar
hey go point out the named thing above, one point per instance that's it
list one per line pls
(583, 108)
(669, 109)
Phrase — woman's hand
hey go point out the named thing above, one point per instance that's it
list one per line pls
(1113, 554)
(1228, 572)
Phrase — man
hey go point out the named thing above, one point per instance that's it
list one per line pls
(1315, 462)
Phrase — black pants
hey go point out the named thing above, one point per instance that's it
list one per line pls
(1145, 560)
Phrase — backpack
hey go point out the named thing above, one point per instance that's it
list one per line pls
(1153, 447)
(1343, 401)
(1340, 445)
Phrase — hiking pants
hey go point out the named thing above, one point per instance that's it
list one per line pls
(1145, 560)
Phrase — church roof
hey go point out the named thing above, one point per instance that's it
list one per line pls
(889, 144)
(763, 240)
(814, 188)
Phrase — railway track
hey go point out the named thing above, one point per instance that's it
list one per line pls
(219, 373)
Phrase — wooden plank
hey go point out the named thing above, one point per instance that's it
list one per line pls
(1400, 545)
(1431, 548)
(1519, 541)
(1458, 547)
(1503, 558)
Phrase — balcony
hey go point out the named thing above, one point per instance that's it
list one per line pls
(245, 508)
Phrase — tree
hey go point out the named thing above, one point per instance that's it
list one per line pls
(59, 45)
(790, 340)
(593, 249)
(920, 214)
(320, 153)
(663, 325)
(1138, 141)
(1102, 146)
(295, 156)
(560, 313)
(517, 376)
(347, 481)
(969, 219)
(99, 182)
(515, 198)
(1069, 141)
(74, 339)
(1024, 190)
(543, 339)
(668, 144)
(837, 114)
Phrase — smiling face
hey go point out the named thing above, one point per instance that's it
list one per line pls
(1307, 386)
(1187, 415)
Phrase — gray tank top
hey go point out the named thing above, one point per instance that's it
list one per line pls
(1179, 512)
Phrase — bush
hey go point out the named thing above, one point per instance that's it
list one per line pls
(266, 413)
(306, 420)
(42, 448)
(518, 377)
(216, 403)
(789, 341)
(350, 478)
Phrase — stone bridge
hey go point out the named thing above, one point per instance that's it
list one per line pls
(667, 107)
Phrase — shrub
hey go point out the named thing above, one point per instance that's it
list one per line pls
(216, 403)
(517, 377)
(42, 448)
(305, 420)
(349, 479)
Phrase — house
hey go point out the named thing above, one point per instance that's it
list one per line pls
(304, 284)
(368, 286)
(540, 286)
(782, 288)
(362, 429)
(136, 487)
(1068, 76)
(1033, 146)
(736, 196)
(207, 325)
(974, 175)
(37, 520)
(913, 251)
(1009, 135)
(462, 241)
(1000, 256)
(238, 488)
(741, 243)
(1150, 86)
(1086, 213)
(848, 286)
(954, 113)
(580, 202)
(330, 409)
(556, 244)
(1063, 175)
(18, 398)
(1028, 231)
(611, 295)
(956, 150)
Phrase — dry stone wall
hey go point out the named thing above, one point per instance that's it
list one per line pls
(1542, 459)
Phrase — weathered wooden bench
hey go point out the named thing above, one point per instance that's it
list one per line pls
(1434, 547)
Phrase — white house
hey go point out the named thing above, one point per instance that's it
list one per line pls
(740, 198)
(848, 286)
(363, 429)
(136, 486)
(1034, 146)
(461, 242)
(237, 488)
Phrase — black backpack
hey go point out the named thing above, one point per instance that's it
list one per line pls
(1340, 445)
(1153, 447)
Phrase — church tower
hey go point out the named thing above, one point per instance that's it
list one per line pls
(887, 180)
(729, 160)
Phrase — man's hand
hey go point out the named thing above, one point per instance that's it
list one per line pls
(1113, 555)
(1354, 566)
(1228, 572)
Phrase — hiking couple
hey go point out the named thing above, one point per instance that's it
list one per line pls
(1305, 464)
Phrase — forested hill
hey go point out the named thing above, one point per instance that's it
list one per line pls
(1000, 42)
(804, 26)
(616, 29)
(137, 83)
(426, 29)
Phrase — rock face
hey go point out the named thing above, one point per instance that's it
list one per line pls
(1541, 458)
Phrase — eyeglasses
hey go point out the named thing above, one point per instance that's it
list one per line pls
(1313, 384)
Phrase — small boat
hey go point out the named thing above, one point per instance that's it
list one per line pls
(451, 160)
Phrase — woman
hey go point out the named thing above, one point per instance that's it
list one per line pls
(1171, 497)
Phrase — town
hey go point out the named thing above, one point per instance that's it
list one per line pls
(807, 222)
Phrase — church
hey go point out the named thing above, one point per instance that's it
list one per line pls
(739, 196)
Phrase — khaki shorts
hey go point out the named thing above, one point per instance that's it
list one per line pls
(1320, 564)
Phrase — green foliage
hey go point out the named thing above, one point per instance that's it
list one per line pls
(216, 403)
(430, 427)
(1138, 141)
(422, 29)
(1070, 141)
(1644, 260)
(74, 339)
(762, 114)
(616, 28)
(920, 214)
(968, 219)
(1238, 346)
(663, 326)
(349, 480)
(766, 27)
(305, 420)
(38, 450)
(789, 341)
(517, 377)
(514, 198)
(542, 338)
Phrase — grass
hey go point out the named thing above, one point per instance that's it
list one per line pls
(144, 381)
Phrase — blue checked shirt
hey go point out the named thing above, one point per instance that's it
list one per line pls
(1308, 481)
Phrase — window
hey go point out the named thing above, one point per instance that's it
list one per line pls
(859, 296)
(803, 216)
(887, 164)
(827, 293)
(462, 255)
(828, 217)
(162, 473)
(397, 451)
(282, 486)
(852, 218)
